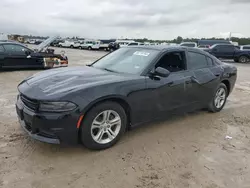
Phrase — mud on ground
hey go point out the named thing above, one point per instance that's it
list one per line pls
(185, 151)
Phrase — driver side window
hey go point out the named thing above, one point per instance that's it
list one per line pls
(172, 61)
(13, 48)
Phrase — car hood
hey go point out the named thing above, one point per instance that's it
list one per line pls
(46, 43)
(59, 82)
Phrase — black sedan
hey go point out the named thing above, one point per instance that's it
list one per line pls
(96, 104)
(16, 55)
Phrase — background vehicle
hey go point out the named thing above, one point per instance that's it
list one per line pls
(89, 44)
(203, 47)
(229, 51)
(123, 43)
(189, 44)
(56, 42)
(16, 55)
(113, 46)
(212, 42)
(136, 44)
(245, 47)
(97, 103)
(66, 44)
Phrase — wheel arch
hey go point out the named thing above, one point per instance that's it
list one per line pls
(113, 98)
(227, 84)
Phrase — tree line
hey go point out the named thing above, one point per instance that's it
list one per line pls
(179, 39)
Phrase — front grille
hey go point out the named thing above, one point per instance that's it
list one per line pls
(30, 103)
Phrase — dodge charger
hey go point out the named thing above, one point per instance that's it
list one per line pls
(96, 104)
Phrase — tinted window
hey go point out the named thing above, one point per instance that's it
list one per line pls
(1, 49)
(246, 47)
(188, 45)
(225, 48)
(210, 61)
(133, 44)
(196, 60)
(14, 48)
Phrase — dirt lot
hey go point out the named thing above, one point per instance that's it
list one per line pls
(186, 151)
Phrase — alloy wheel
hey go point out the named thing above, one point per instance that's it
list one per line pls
(106, 126)
(220, 98)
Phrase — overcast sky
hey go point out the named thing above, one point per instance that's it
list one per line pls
(155, 19)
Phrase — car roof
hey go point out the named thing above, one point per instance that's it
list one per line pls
(9, 42)
(224, 44)
(164, 48)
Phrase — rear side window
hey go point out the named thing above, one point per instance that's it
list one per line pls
(209, 61)
(226, 48)
(196, 60)
(1, 49)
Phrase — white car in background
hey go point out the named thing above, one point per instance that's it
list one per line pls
(67, 44)
(245, 47)
(189, 44)
(90, 44)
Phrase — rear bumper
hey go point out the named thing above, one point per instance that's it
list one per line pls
(53, 128)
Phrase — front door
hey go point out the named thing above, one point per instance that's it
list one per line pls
(167, 94)
(16, 57)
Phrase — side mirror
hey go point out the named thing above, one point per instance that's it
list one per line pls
(159, 71)
(214, 50)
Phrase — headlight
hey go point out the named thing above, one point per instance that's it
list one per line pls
(56, 106)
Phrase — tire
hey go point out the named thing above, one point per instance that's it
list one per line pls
(89, 48)
(212, 107)
(243, 59)
(60, 46)
(71, 46)
(90, 132)
(80, 47)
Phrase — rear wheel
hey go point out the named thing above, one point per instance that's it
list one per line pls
(80, 47)
(71, 46)
(89, 48)
(219, 99)
(103, 126)
(243, 59)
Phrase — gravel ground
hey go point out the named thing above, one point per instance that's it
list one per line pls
(185, 151)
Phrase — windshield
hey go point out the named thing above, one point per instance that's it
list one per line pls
(127, 60)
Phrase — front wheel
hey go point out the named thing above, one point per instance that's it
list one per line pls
(103, 126)
(89, 48)
(219, 99)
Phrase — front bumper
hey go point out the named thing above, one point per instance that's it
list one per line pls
(36, 136)
(53, 128)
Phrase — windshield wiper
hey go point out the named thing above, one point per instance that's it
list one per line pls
(109, 70)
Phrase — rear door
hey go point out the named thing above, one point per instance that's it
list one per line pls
(15, 56)
(203, 76)
(2, 55)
